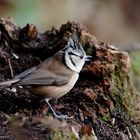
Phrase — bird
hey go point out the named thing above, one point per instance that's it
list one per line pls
(55, 76)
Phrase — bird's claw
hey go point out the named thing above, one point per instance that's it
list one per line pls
(62, 116)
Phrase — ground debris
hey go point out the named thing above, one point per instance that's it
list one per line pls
(97, 102)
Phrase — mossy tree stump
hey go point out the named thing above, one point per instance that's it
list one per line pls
(104, 103)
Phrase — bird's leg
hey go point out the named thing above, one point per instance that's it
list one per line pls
(56, 115)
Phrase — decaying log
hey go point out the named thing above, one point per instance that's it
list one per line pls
(104, 98)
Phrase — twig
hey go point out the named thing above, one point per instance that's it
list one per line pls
(10, 66)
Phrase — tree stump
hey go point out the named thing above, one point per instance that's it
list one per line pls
(104, 102)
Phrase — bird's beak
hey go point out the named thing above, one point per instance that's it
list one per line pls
(88, 58)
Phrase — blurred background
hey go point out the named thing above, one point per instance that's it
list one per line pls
(113, 21)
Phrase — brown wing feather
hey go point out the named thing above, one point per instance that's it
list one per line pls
(43, 77)
(51, 72)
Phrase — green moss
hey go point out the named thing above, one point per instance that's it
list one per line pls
(106, 117)
(135, 62)
(58, 135)
(135, 59)
(123, 92)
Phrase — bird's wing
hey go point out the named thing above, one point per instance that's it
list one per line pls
(41, 77)
(17, 78)
(25, 73)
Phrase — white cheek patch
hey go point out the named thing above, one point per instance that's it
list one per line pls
(78, 63)
(69, 63)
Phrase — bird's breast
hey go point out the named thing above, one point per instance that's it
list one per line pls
(55, 91)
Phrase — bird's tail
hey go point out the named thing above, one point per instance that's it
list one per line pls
(8, 83)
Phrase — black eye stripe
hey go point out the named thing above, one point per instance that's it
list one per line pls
(71, 53)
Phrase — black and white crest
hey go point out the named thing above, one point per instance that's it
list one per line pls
(75, 55)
